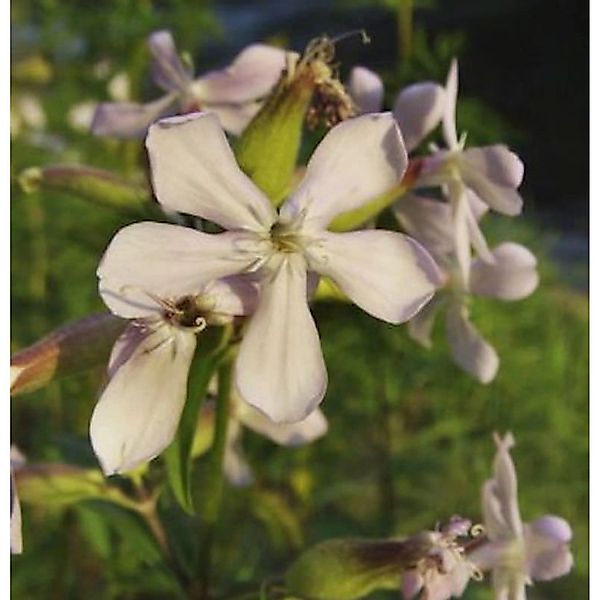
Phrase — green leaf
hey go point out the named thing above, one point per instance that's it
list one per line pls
(178, 456)
(57, 486)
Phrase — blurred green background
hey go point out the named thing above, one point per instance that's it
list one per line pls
(410, 435)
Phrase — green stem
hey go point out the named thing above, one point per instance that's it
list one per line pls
(404, 17)
(213, 492)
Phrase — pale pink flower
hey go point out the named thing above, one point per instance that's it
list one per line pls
(518, 553)
(509, 273)
(17, 460)
(280, 367)
(232, 93)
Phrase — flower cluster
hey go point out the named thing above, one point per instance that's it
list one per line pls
(471, 181)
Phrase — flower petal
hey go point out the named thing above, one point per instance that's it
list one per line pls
(421, 325)
(167, 70)
(234, 117)
(513, 274)
(194, 171)
(280, 368)
(235, 466)
(366, 89)
(137, 415)
(429, 221)
(16, 536)
(497, 163)
(418, 110)
(546, 543)
(449, 117)
(387, 274)
(285, 434)
(128, 120)
(251, 75)
(356, 161)
(493, 174)
(470, 351)
(167, 261)
(505, 484)
(235, 295)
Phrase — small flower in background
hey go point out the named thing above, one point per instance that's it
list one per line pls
(138, 412)
(17, 460)
(418, 108)
(518, 553)
(509, 273)
(26, 113)
(233, 93)
(280, 368)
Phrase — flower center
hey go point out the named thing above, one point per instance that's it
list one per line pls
(286, 238)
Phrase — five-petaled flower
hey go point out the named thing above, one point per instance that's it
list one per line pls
(139, 409)
(280, 367)
(518, 553)
(232, 93)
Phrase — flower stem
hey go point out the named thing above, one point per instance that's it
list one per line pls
(213, 491)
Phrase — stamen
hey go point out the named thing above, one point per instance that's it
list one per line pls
(362, 32)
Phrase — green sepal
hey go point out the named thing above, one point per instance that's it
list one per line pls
(345, 569)
(267, 150)
(94, 185)
(178, 456)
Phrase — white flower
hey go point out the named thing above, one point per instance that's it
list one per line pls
(508, 273)
(138, 412)
(280, 367)
(233, 93)
(518, 553)
(418, 108)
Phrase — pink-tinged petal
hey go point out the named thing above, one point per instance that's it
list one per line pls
(285, 434)
(194, 171)
(251, 75)
(280, 368)
(418, 110)
(460, 221)
(469, 349)
(546, 545)
(387, 274)
(512, 276)
(166, 261)
(234, 117)
(476, 236)
(127, 120)
(478, 207)
(356, 161)
(449, 116)
(366, 89)
(497, 163)
(421, 325)
(16, 537)
(508, 585)
(496, 525)
(505, 480)
(167, 70)
(236, 295)
(412, 583)
(138, 412)
(235, 467)
(429, 221)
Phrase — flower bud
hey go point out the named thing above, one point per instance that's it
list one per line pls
(95, 185)
(70, 349)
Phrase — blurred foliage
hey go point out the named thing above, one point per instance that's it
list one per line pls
(410, 434)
